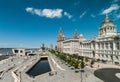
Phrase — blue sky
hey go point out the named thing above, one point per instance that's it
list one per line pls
(28, 23)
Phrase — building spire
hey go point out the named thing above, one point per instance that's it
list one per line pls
(106, 17)
(60, 30)
(76, 34)
(60, 35)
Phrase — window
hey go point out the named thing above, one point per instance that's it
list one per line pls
(107, 56)
(117, 46)
(98, 45)
(21, 51)
(111, 45)
(16, 51)
(106, 45)
(102, 55)
(117, 57)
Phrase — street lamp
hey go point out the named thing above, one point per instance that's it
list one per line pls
(81, 70)
(111, 45)
(20, 76)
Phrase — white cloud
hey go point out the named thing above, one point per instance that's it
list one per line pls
(83, 14)
(92, 15)
(29, 9)
(68, 15)
(113, 7)
(49, 13)
(37, 12)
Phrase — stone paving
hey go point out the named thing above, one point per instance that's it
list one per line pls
(20, 66)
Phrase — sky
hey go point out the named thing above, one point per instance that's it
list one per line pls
(29, 23)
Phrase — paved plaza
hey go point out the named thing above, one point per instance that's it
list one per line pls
(15, 71)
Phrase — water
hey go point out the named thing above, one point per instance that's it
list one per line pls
(41, 67)
(2, 57)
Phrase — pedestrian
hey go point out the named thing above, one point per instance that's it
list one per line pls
(86, 75)
(98, 65)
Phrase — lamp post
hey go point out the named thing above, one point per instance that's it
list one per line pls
(81, 70)
(111, 45)
(20, 76)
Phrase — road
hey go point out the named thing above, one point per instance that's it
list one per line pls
(107, 74)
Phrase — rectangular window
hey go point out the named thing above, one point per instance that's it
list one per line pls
(117, 45)
(111, 46)
(102, 46)
(21, 51)
(106, 45)
(16, 51)
(98, 45)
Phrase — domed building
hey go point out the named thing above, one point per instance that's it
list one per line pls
(104, 47)
(107, 27)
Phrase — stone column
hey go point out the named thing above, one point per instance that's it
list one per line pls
(96, 46)
(104, 46)
(91, 45)
(114, 45)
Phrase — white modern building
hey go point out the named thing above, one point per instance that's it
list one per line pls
(12, 51)
(105, 46)
(19, 51)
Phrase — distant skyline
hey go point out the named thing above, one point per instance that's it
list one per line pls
(29, 23)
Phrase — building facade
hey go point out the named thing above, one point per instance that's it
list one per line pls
(19, 51)
(104, 46)
(70, 46)
(60, 41)
(12, 51)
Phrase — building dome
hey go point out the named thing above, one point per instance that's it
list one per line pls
(106, 21)
(81, 35)
(107, 27)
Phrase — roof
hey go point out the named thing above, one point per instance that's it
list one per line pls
(106, 21)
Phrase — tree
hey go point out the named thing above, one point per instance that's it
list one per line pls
(82, 65)
(86, 60)
(92, 62)
(76, 65)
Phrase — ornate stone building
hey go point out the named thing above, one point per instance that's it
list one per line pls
(105, 46)
(67, 45)
(60, 41)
